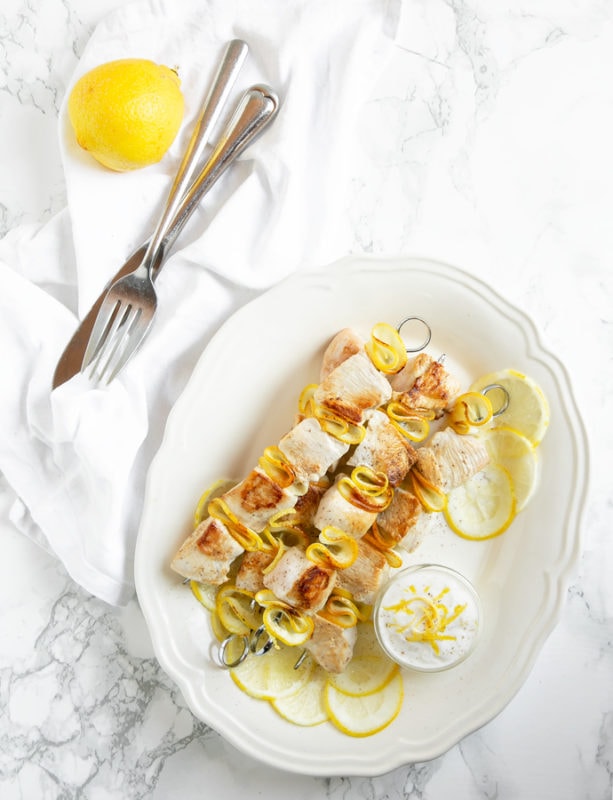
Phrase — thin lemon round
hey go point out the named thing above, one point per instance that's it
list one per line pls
(482, 507)
(528, 409)
(272, 675)
(364, 675)
(204, 593)
(306, 706)
(513, 451)
(365, 715)
(126, 113)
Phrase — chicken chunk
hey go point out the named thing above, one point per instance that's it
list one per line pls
(256, 498)
(250, 575)
(330, 645)
(384, 449)
(340, 513)
(308, 503)
(423, 526)
(346, 343)
(450, 459)
(399, 519)
(207, 554)
(310, 450)
(364, 577)
(424, 383)
(299, 582)
(352, 388)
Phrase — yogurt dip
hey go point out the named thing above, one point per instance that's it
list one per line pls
(427, 618)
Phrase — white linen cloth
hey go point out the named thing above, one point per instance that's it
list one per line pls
(76, 458)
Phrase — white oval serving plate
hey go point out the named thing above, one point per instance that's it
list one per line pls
(242, 397)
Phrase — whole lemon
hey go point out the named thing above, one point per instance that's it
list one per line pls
(126, 113)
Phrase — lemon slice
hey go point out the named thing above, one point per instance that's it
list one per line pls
(204, 593)
(306, 706)
(364, 675)
(364, 715)
(513, 451)
(272, 676)
(528, 409)
(483, 506)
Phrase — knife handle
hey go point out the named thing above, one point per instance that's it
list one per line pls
(225, 77)
(255, 111)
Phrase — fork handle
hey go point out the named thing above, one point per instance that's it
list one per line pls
(225, 77)
(255, 111)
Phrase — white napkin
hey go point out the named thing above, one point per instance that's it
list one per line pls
(76, 459)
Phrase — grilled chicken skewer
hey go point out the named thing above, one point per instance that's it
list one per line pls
(352, 389)
(310, 451)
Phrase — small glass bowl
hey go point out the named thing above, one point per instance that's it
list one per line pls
(428, 618)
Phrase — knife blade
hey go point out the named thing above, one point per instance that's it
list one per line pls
(255, 111)
(229, 67)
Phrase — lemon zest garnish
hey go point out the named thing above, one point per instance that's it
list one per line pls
(342, 610)
(366, 489)
(282, 528)
(282, 621)
(335, 549)
(281, 548)
(386, 349)
(266, 597)
(431, 617)
(377, 539)
(306, 404)
(370, 481)
(471, 409)
(430, 496)
(248, 539)
(413, 425)
(343, 430)
(277, 467)
(402, 410)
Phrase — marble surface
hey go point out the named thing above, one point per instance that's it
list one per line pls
(487, 143)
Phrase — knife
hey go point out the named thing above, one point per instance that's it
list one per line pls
(230, 65)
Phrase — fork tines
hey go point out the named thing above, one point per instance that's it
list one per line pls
(112, 343)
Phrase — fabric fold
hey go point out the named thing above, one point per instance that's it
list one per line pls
(77, 458)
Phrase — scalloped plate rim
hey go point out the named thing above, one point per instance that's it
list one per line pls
(172, 662)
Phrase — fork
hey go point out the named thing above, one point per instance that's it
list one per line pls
(129, 306)
(127, 311)
(132, 301)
